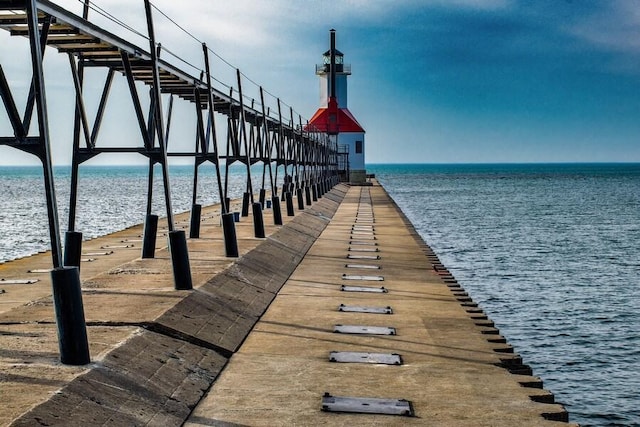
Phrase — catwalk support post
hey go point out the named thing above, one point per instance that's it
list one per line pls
(67, 294)
(258, 221)
(277, 211)
(179, 252)
(289, 201)
(194, 225)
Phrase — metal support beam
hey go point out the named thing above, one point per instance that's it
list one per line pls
(177, 239)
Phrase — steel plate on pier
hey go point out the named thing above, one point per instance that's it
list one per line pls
(362, 243)
(358, 277)
(363, 256)
(373, 267)
(362, 228)
(367, 405)
(364, 250)
(18, 281)
(363, 236)
(361, 309)
(361, 357)
(381, 289)
(364, 330)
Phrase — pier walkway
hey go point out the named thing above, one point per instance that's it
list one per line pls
(343, 301)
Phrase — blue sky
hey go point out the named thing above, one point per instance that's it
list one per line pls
(442, 81)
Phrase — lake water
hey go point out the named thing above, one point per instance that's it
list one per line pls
(552, 254)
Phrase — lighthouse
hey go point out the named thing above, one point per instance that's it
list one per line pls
(334, 117)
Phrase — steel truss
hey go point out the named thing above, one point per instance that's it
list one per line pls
(307, 160)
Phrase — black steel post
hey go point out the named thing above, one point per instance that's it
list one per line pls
(258, 220)
(150, 221)
(245, 203)
(277, 211)
(157, 114)
(72, 249)
(262, 197)
(67, 296)
(69, 310)
(180, 260)
(181, 273)
(289, 199)
(307, 193)
(43, 127)
(221, 193)
(194, 226)
(243, 138)
(300, 199)
(229, 233)
(269, 150)
(73, 239)
(149, 236)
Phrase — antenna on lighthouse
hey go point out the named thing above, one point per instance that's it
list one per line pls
(333, 63)
(332, 105)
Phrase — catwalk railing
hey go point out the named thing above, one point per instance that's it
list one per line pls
(230, 128)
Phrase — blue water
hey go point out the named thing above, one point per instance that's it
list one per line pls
(110, 198)
(552, 254)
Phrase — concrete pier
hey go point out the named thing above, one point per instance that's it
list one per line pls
(262, 339)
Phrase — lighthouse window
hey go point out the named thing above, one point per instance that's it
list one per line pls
(358, 147)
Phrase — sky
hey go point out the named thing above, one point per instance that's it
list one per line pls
(433, 81)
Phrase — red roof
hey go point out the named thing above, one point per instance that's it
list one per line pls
(346, 121)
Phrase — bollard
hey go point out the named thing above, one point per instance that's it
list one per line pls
(236, 216)
(245, 204)
(307, 194)
(72, 249)
(149, 237)
(277, 213)
(194, 227)
(180, 260)
(289, 198)
(269, 204)
(258, 220)
(314, 192)
(300, 199)
(72, 329)
(261, 198)
(229, 233)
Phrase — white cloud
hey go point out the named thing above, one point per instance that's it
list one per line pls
(617, 28)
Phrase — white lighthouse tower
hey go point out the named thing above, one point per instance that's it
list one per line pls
(333, 116)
